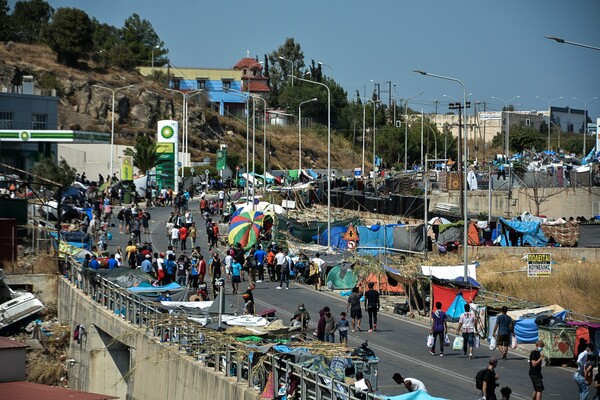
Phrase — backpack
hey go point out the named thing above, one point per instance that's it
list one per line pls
(479, 379)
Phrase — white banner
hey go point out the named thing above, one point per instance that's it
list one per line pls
(490, 115)
(168, 131)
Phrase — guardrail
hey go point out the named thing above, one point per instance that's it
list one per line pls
(245, 363)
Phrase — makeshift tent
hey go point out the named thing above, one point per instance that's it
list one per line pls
(449, 272)
(410, 238)
(341, 276)
(457, 307)
(532, 234)
(337, 241)
(526, 329)
(447, 295)
(565, 234)
(374, 239)
(418, 395)
(384, 283)
(304, 231)
(473, 234)
(589, 235)
(588, 331)
(449, 233)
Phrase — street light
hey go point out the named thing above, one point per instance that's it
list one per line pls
(549, 115)
(585, 118)
(291, 62)
(406, 128)
(374, 109)
(465, 214)
(563, 41)
(366, 101)
(330, 69)
(328, 155)
(507, 148)
(112, 125)
(300, 132)
(155, 47)
(256, 97)
(185, 122)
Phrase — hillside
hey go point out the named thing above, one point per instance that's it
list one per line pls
(87, 108)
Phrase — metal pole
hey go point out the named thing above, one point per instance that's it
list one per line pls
(362, 171)
(374, 104)
(300, 132)
(585, 120)
(465, 214)
(328, 155)
(112, 134)
(422, 116)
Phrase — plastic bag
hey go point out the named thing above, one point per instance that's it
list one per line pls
(458, 343)
(476, 341)
(446, 340)
(493, 343)
(513, 342)
(429, 340)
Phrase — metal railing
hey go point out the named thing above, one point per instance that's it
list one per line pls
(241, 361)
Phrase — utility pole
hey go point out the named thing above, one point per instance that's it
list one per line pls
(458, 106)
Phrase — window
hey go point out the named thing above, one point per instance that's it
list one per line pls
(6, 120)
(175, 84)
(39, 121)
(226, 84)
(201, 83)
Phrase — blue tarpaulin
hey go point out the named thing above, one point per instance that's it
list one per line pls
(337, 233)
(526, 329)
(418, 395)
(142, 288)
(532, 234)
(374, 238)
(457, 308)
(312, 173)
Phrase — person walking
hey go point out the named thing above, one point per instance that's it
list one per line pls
(183, 235)
(285, 271)
(536, 358)
(259, 256)
(579, 375)
(372, 306)
(216, 270)
(320, 269)
(502, 331)
(490, 377)
(439, 327)
(320, 332)
(355, 310)
(236, 277)
(467, 326)
(193, 233)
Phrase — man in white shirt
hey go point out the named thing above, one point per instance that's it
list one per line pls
(411, 384)
(228, 261)
(174, 236)
(279, 259)
(322, 267)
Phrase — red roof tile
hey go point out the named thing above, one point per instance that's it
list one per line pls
(248, 63)
(6, 343)
(35, 391)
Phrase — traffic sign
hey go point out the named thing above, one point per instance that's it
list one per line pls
(351, 234)
(351, 244)
(192, 170)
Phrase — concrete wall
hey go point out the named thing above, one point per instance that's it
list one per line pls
(119, 359)
(13, 362)
(559, 202)
(43, 285)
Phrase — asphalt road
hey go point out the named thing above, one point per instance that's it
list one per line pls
(399, 343)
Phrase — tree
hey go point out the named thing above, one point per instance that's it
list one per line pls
(69, 35)
(29, 19)
(280, 69)
(144, 154)
(524, 138)
(5, 22)
(60, 172)
(542, 188)
(138, 39)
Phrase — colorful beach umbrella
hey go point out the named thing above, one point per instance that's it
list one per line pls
(245, 228)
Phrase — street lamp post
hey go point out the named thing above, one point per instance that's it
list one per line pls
(549, 102)
(112, 125)
(563, 41)
(300, 132)
(406, 128)
(507, 147)
(291, 62)
(184, 122)
(465, 214)
(330, 68)
(585, 119)
(256, 97)
(154, 47)
(328, 155)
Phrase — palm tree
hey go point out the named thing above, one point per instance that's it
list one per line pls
(144, 154)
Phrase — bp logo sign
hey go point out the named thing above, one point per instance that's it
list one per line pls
(24, 136)
(167, 132)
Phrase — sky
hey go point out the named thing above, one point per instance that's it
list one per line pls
(496, 48)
